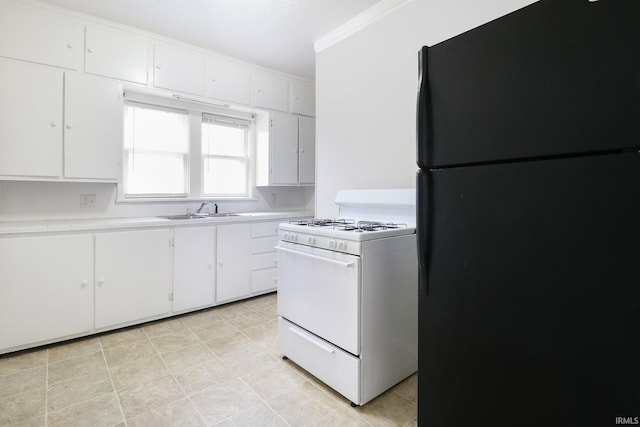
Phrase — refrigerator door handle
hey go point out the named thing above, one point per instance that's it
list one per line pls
(423, 223)
(423, 110)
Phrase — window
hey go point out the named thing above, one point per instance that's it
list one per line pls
(225, 156)
(156, 151)
(185, 150)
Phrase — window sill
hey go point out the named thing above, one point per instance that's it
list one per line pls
(183, 200)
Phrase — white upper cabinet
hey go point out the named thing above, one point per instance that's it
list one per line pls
(228, 81)
(93, 127)
(115, 53)
(284, 149)
(270, 91)
(39, 36)
(30, 120)
(306, 150)
(303, 98)
(179, 69)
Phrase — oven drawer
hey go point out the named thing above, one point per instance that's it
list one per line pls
(333, 366)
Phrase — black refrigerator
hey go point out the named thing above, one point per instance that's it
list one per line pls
(528, 195)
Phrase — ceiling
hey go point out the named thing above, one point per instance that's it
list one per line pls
(277, 34)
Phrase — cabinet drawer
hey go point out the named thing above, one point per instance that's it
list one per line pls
(263, 244)
(262, 229)
(333, 366)
(264, 280)
(261, 261)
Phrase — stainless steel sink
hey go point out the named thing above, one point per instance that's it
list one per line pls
(199, 216)
(186, 216)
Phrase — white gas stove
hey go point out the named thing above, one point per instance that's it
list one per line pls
(341, 235)
(347, 293)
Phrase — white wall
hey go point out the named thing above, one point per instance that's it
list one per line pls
(366, 94)
(61, 200)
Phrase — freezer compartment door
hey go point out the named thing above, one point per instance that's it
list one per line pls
(555, 77)
(533, 303)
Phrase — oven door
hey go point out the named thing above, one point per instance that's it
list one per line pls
(319, 290)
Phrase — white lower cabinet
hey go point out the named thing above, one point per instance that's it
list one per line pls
(194, 272)
(133, 276)
(264, 272)
(234, 257)
(46, 288)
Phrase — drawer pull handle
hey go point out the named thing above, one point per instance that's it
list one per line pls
(313, 341)
(319, 258)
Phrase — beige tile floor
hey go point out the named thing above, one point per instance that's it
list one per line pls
(216, 367)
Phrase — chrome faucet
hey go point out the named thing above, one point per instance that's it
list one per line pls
(205, 204)
(201, 207)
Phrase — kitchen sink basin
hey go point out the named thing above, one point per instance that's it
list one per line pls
(199, 216)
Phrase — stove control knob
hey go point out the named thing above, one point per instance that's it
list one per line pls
(342, 245)
(293, 237)
(311, 240)
(332, 244)
(285, 236)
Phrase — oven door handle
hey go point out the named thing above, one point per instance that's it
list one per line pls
(313, 341)
(321, 258)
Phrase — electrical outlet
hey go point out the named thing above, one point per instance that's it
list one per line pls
(87, 201)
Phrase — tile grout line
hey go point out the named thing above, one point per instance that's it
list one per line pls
(46, 392)
(112, 383)
(174, 376)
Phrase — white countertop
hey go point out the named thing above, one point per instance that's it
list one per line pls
(57, 225)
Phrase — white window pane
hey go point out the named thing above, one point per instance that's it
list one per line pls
(157, 130)
(155, 173)
(225, 176)
(223, 140)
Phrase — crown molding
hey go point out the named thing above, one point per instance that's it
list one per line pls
(357, 23)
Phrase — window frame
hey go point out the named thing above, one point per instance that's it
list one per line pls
(246, 158)
(185, 155)
(196, 110)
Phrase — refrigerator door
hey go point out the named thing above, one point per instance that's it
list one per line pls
(530, 301)
(553, 78)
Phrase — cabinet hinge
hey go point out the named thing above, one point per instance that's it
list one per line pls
(171, 242)
(171, 296)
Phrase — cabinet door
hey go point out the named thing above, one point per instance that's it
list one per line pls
(307, 150)
(284, 149)
(46, 288)
(93, 127)
(229, 81)
(115, 53)
(234, 261)
(271, 91)
(178, 69)
(133, 276)
(40, 36)
(193, 267)
(30, 120)
(303, 99)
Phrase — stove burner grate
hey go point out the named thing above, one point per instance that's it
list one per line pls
(348, 224)
(377, 226)
(322, 222)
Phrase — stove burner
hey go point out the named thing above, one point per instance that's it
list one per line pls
(347, 224)
(322, 222)
(377, 226)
